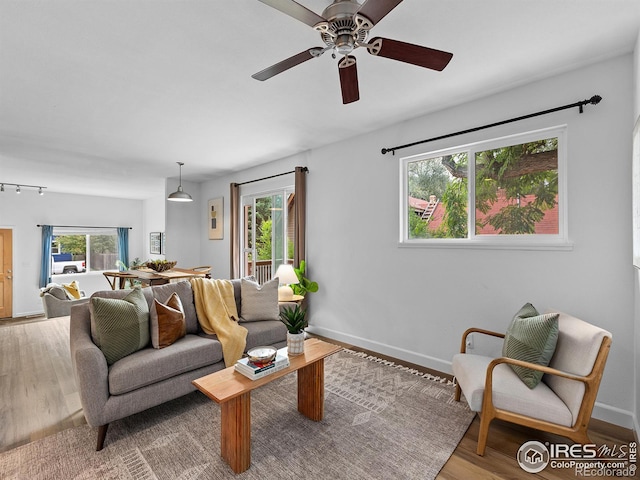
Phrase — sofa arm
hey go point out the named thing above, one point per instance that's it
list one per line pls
(89, 366)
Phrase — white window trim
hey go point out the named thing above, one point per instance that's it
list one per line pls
(504, 242)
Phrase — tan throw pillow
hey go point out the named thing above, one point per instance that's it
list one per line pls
(259, 302)
(167, 322)
(72, 289)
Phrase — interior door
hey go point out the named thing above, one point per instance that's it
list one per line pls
(6, 273)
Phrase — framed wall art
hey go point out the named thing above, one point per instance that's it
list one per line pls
(215, 218)
(155, 243)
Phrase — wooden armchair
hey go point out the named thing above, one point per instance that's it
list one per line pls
(561, 403)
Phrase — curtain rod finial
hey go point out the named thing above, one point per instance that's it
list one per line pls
(595, 100)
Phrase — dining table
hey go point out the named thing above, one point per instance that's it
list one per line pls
(147, 276)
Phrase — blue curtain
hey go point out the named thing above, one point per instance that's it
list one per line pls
(45, 265)
(123, 246)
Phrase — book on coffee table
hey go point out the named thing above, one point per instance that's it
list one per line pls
(255, 370)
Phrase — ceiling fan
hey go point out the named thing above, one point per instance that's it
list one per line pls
(344, 26)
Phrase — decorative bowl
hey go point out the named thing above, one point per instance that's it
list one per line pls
(160, 265)
(262, 354)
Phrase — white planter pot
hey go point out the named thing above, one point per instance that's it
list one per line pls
(295, 343)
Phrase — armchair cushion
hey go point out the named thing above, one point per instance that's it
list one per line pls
(55, 290)
(532, 338)
(509, 392)
(122, 326)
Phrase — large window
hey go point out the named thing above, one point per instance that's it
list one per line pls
(81, 251)
(515, 185)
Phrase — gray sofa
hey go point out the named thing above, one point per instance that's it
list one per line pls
(151, 376)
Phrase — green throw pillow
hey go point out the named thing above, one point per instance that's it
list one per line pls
(122, 326)
(531, 337)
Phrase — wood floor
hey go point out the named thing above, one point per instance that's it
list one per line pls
(38, 397)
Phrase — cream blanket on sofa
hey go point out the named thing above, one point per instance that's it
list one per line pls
(218, 315)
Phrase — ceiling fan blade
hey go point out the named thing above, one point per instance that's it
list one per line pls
(409, 53)
(295, 10)
(349, 79)
(287, 64)
(376, 10)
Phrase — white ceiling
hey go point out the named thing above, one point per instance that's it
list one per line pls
(97, 96)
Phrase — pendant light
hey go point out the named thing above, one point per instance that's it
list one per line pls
(180, 195)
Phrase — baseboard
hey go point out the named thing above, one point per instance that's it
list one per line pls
(384, 349)
(606, 413)
(615, 416)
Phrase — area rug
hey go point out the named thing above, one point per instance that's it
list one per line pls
(381, 421)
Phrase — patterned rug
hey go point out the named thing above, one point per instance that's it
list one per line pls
(382, 421)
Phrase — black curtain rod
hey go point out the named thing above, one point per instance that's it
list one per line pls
(81, 226)
(593, 101)
(304, 169)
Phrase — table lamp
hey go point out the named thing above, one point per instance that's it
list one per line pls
(286, 276)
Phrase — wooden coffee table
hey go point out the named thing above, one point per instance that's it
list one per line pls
(232, 391)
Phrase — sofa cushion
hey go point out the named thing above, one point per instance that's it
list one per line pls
(259, 302)
(149, 366)
(509, 392)
(167, 321)
(122, 326)
(268, 332)
(531, 337)
(185, 292)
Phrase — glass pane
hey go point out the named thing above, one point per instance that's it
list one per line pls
(247, 248)
(70, 256)
(277, 232)
(517, 189)
(438, 197)
(103, 252)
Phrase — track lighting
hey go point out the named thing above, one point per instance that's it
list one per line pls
(20, 186)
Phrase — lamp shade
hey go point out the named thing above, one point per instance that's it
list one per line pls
(180, 195)
(286, 274)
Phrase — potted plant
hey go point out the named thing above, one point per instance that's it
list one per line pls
(295, 320)
(305, 285)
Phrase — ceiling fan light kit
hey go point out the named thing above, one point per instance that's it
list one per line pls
(344, 26)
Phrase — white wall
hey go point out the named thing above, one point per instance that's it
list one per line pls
(23, 212)
(182, 238)
(636, 363)
(154, 220)
(414, 303)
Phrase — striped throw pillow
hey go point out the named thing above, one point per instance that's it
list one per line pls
(122, 326)
(531, 337)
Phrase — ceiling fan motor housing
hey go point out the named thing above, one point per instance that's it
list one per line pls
(343, 30)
